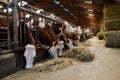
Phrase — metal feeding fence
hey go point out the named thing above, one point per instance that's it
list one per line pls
(12, 14)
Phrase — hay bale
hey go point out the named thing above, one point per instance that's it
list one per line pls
(113, 17)
(80, 53)
(113, 10)
(53, 65)
(112, 25)
(110, 5)
(100, 35)
(112, 39)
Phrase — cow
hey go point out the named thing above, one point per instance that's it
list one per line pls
(50, 41)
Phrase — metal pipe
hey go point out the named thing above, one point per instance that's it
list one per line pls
(8, 27)
(35, 25)
(24, 28)
(43, 16)
(14, 6)
(6, 3)
(19, 10)
(30, 24)
(38, 29)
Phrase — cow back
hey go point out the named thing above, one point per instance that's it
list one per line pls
(44, 37)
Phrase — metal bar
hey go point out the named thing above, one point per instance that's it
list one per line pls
(35, 25)
(20, 26)
(38, 30)
(14, 6)
(6, 3)
(24, 28)
(30, 24)
(43, 16)
(7, 24)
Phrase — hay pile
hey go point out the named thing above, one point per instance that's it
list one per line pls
(53, 65)
(80, 53)
(112, 39)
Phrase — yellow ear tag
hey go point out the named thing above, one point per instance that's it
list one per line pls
(53, 43)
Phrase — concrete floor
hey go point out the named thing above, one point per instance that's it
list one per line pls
(106, 66)
(7, 64)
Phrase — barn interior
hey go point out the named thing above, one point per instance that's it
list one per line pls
(99, 19)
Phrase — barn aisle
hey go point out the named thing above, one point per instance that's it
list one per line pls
(106, 66)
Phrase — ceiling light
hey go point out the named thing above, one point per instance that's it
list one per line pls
(91, 14)
(57, 2)
(89, 9)
(65, 9)
(90, 2)
(61, 6)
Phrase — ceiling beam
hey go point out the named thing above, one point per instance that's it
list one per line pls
(42, 3)
(94, 6)
(83, 11)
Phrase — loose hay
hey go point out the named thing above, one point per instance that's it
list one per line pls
(87, 44)
(53, 65)
(81, 54)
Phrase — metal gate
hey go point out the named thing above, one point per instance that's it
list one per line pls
(8, 29)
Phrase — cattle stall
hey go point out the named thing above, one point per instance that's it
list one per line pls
(15, 34)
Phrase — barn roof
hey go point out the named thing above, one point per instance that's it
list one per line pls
(84, 13)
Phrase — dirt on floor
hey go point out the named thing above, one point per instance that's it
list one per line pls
(105, 66)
